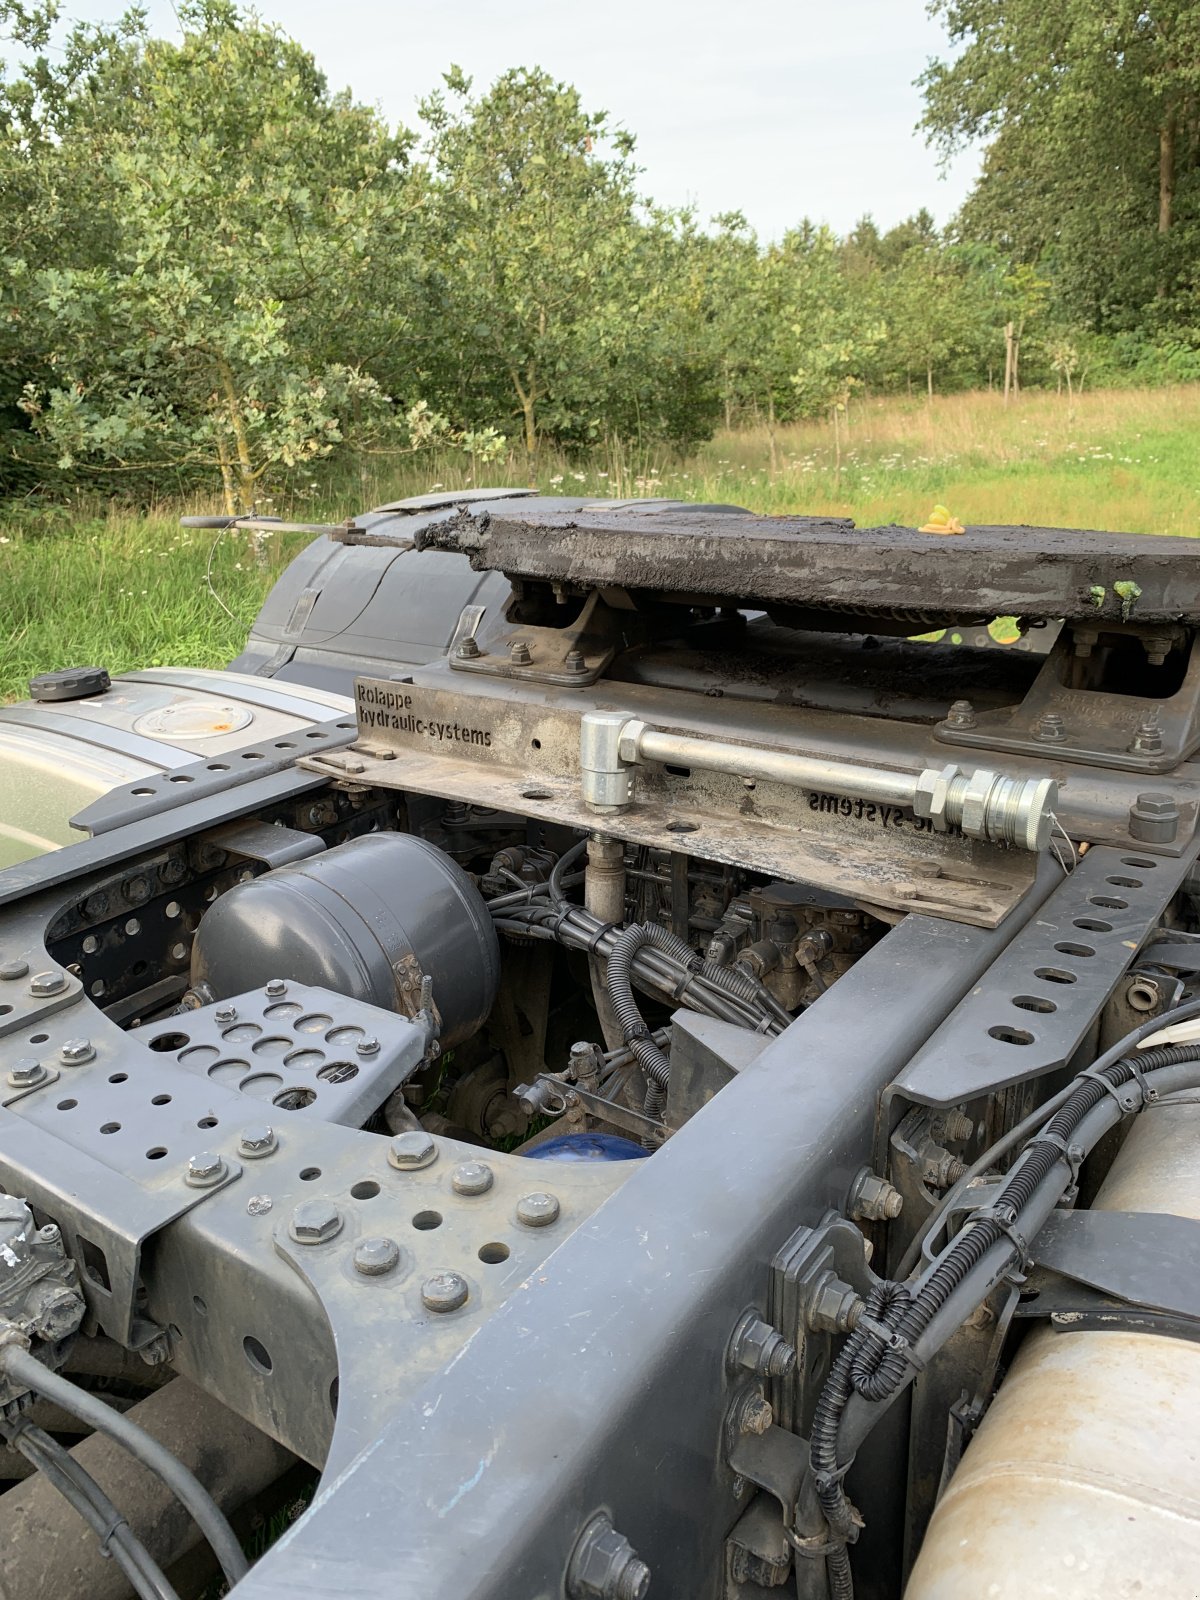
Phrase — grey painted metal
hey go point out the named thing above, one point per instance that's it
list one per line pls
(314, 1052)
(1047, 989)
(150, 832)
(627, 1328)
(1146, 1258)
(212, 775)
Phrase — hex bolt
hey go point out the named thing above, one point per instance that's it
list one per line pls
(760, 1348)
(204, 1170)
(14, 969)
(444, 1291)
(75, 1052)
(49, 1234)
(26, 1073)
(605, 1566)
(409, 1151)
(519, 653)
(367, 1047)
(873, 1199)
(276, 987)
(1050, 728)
(956, 1126)
(315, 1222)
(471, 1177)
(537, 1210)
(754, 1413)
(961, 715)
(1154, 818)
(374, 1257)
(574, 662)
(468, 650)
(1147, 738)
(47, 983)
(259, 1139)
(226, 1014)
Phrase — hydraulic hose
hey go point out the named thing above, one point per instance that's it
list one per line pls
(27, 1369)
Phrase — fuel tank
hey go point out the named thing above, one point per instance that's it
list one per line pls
(1084, 1478)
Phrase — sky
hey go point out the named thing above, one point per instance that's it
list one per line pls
(777, 108)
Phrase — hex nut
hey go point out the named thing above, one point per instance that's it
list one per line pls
(975, 803)
(204, 1169)
(75, 1052)
(873, 1199)
(409, 1151)
(47, 983)
(537, 1210)
(1154, 818)
(444, 1291)
(754, 1413)
(375, 1257)
(17, 968)
(258, 1140)
(26, 1072)
(315, 1222)
(932, 793)
(472, 1177)
(605, 1566)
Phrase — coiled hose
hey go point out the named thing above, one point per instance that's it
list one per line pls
(653, 1061)
(875, 1360)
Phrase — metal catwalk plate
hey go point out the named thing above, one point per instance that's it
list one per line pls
(829, 564)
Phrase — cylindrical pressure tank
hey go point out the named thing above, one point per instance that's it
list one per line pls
(1084, 1478)
(368, 919)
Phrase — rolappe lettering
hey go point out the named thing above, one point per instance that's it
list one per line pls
(391, 709)
(868, 811)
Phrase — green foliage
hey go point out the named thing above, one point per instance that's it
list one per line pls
(216, 272)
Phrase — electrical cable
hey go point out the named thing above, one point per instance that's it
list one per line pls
(84, 1494)
(183, 1483)
(890, 1345)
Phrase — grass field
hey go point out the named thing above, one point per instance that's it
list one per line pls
(88, 583)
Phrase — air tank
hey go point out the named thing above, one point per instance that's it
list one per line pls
(1084, 1478)
(367, 919)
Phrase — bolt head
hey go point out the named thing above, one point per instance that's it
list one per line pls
(574, 661)
(1050, 728)
(444, 1291)
(315, 1222)
(204, 1169)
(1156, 805)
(468, 650)
(471, 1177)
(47, 983)
(226, 1013)
(961, 715)
(13, 969)
(756, 1415)
(258, 1139)
(367, 1047)
(408, 1151)
(537, 1210)
(76, 1051)
(375, 1257)
(49, 1234)
(26, 1072)
(276, 987)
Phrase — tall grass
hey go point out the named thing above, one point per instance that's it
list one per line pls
(86, 581)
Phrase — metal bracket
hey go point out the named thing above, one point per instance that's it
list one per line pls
(213, 775)
(812, 1260)
(1144, 1259)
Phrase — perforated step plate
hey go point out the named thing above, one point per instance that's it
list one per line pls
(298, 1049)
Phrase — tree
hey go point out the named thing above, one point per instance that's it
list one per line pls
(1096, 122)
(246, 211)
(530, 228)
